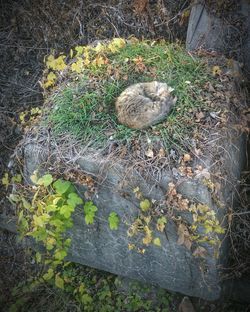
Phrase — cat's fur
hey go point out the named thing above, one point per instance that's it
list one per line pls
(144, 104)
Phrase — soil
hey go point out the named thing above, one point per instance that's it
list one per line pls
(28, 32)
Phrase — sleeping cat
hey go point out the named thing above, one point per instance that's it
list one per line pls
(144, 104)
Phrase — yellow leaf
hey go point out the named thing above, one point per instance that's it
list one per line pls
(59, 282)
(79, 50)
(51, 78)
(116, 44)
(216, 70)
(47, 276)
(141, 250)
(99, 61)
(145, 205)
(86, 61)
(148, 237)
(131, 246)
(147, 240)
(56, 63)
(161, 222)
(78, 66)
(157, 241)
(100, 48)
(50, 243)
(5, 180)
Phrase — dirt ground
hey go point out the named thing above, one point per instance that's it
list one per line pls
(30, 31)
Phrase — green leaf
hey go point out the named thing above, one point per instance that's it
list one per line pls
(86, 299)
(14, 198)
(161, 222)
(89, 218)
(66, 211)
(59, 282)
(48, 276)
(5, 180)
(57, 223)
(26, 204)
(20, 216)
(17, 178)
(51, 208)
(145, 205)
(67, 242)
(157, 242)
(89, 210)
(38, 257)
(61, 186)
(60, 254)
(45, 180)
(74, 200)
(113, 221)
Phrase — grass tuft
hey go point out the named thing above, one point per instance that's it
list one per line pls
(85, 108)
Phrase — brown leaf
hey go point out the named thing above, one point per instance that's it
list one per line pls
(199, 116)
(184, 236)
(187, 243)
(161, 152)
(200, 252)
(186, 305)
(187, 157)
(140, 6)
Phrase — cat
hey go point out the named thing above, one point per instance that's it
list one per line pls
(144, 104)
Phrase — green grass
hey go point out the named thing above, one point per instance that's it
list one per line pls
(87, 111)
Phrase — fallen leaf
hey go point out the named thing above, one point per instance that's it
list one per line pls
(157, 242)
(186, 305)
(199, 116)
(200, 252)
(161, 152)
(149, 153)
(187, 157)
(216, 71)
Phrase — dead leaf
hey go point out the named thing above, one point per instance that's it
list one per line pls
(214, 115)
(216, 71)
(200, 252)
(139, 64)
(202, 173)
(199, 116)
(187, 157)
(184, 236)
(140, 6)
(186, 305)
(161, 152)
(149, 153)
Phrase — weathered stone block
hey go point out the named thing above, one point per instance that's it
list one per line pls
(172, 265)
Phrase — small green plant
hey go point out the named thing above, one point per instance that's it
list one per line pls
(46, 215)
(113, 221)
(90, 210)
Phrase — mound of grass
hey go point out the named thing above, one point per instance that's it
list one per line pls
(85, 108)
